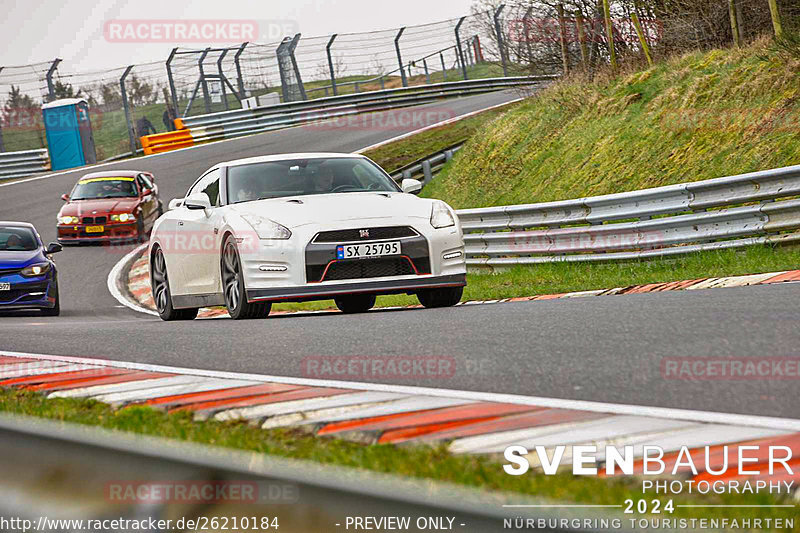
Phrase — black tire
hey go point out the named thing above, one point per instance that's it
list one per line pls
(355, 303)
(160, 209)
(56, 309)
(159, 281)
(233, 286)
(446, 297)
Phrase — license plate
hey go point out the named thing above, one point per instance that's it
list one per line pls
(5, 286)
(374, 249)
(95, 229)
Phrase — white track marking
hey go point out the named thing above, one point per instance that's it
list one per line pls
(141, 385)
(159, 392)
(311, 416)
(114, 280)
(788, 424)
(437, 125)
(24, 370)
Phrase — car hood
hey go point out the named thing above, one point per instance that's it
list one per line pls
(313, 209)
(102, 206)
(10, 259)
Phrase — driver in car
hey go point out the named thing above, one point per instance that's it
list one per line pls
(14, 242)
(323, 180)
(246, 193)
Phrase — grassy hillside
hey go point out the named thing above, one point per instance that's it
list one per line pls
(699, 116)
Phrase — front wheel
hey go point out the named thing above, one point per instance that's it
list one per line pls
(355, 303)
(445, 297)
(161, 295)
(56, 309)
(233, 286)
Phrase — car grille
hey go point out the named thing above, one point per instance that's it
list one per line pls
(95, 220)
(14, 294)
(363, 268)
(346, 235)
(7, 271)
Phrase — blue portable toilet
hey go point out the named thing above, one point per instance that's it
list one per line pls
(69, 133)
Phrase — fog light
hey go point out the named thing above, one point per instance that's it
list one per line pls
(272, 268)
(452, 255)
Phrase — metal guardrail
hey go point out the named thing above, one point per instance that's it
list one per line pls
(662, 221)
(428, 166)
(230, 124)
(64, 471)
(22, 164)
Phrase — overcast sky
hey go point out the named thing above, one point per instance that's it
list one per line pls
(36, 30)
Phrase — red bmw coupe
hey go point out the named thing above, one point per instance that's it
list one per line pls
(115, 205)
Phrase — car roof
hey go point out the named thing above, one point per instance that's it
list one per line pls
(284, 157)
(113, 174)
(17, 224)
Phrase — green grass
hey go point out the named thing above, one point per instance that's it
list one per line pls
(425, 462)
(555, 278)
(698, 116)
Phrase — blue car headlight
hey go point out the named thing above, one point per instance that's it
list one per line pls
(36, 270)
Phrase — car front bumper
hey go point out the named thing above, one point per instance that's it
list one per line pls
(118, 231)
(27, 293)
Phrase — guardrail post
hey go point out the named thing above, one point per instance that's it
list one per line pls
(444, 66)
(126, 108)
(203, 82)
(330, 65)
(171, 80)
(51, 89)
(459, 51)
(400, 57)
(426, 171)
(500, 44)
(240, 80)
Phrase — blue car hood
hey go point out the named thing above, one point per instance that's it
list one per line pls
(20, 259)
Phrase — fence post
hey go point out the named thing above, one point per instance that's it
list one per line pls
(527, 33)
(427, 73)
(240, 80)
(582, 38)
(459, 50)
(500, 43)
(330, 64)
(400, 57)
(776, 18)
(222, 78)
(642, 39)
(203, 82)
(292, 46)
(2, 147)
(51, 89)
(562, 25)
(126, 108)
(444, 66)
(171, 80)
(610, 34)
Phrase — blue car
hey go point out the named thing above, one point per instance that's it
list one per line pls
(28, 275)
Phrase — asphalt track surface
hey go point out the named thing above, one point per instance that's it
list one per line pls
(608, 349)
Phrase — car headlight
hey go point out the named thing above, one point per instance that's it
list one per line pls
(266, 228)
(36, 270)
(124, 217)
(68, 220)
(441, 217)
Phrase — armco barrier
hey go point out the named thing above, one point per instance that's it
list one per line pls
(164, 142)
(713, 214)
(22, 164)
(427, 166)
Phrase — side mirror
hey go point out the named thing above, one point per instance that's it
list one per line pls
(197, 201)
(147, 192)
(410, 186)
(54, 248)
(65, 197)
(175, 203)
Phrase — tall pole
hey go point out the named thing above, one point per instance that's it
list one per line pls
(239, 78)
(126, 108)
(291, 48)
(776, 18)
(579, 23)
(527, 29)
(2, 147)
(459, 51)
(330, 64)
(610, 34)
(171, 80)
(203, 82)
(400, 57)
(51, 89)
(222, 78)
(444, 66)
(642, 39)
(562, 25)
(499, 33)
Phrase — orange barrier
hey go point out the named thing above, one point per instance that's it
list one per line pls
(164, 142)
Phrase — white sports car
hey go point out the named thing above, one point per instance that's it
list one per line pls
(299, 227)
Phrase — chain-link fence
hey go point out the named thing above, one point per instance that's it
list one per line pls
(534, 37)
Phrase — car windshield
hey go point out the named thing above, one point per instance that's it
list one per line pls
(301, 177)
(17, 239)
(94, 188)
